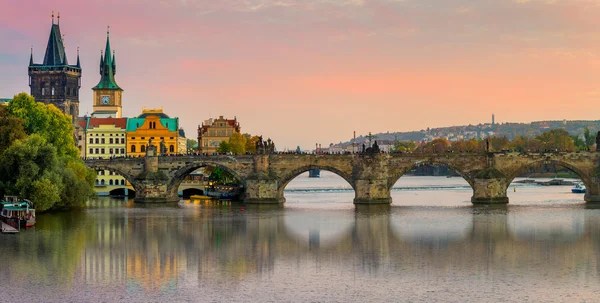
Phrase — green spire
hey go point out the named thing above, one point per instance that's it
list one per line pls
(107, 69)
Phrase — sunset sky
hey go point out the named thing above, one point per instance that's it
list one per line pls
(313, 71)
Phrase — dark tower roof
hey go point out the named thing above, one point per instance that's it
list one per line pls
(55, 51)
(107, 69)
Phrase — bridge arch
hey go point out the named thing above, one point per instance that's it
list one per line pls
(179, 175)
(467, 176)
(128, 177)
(292, 174)
(585, 178)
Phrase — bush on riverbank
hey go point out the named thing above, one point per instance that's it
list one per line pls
(42, 164)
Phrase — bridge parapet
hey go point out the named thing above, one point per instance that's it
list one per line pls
(370, 175)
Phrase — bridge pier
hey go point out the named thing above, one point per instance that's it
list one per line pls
(369, 191)
(592, 190)
(263, 191)
(489, 191)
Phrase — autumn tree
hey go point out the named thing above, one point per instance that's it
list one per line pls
(237, 143)
(11, 129)
(404, 146)
(556, 139)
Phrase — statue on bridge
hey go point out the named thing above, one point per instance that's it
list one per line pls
(264, 147)
(163, 147)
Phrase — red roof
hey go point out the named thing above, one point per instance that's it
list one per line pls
(117, 122)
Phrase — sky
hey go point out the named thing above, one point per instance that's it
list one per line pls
(313, 71)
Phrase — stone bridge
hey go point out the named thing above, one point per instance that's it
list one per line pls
(372, 176)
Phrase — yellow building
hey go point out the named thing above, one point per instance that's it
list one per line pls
(213, 131)
(152, 126)
(106, 138)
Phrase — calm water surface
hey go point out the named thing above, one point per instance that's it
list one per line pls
(430, 245)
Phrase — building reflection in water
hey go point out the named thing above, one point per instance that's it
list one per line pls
(161, 249)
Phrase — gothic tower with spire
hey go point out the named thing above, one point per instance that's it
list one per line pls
(107, 94)
(55, 81)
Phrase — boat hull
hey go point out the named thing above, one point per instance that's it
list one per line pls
(578, 191)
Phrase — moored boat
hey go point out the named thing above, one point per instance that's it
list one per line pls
(17, 213)
(578, 189)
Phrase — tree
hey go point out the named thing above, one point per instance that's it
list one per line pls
(404, 146)
(580, 144)
(556, 139)
(436, 146)
(32, 169)
(47, 121)
(588, 138)
(237, 144)
(223, 147)
(251, 144)
(11, 129)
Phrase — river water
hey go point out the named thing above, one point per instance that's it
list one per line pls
(431, 245)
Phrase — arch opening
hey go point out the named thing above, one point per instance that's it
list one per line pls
(331, 185)
(109, 179)
(122, 193)
(208, 179)
(188, 192)
(429, 183)
(559, 176)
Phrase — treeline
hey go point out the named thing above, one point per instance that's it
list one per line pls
(553, 140)
(239, 144)
(38, 157)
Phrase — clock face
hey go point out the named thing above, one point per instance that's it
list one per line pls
(105, 100)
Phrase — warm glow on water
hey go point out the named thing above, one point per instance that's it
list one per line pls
(430, 245)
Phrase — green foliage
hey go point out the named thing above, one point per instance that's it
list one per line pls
(579, 143)
(556, 139)
(43, 167)
(223, 147)
(237, 143)
(47, 121)
(588, 137)
(11, 129)
(404, 146)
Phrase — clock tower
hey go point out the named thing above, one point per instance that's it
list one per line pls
(107, 94)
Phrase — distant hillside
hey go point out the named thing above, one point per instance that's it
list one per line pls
(481, 131)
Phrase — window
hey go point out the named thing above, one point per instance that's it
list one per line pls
(122, 151)
(79, 137)
(123, 182)
(103, 141)
(162, 138)
(102, 182)
(110, 182)
(43, 91)
(53, 91)
(122, 140)
(132, 138)
(97, 151)
(110, 151)
(143, 149)
(171, 149)
(152, 138)
(110, 141)
(133, 148)
(91, 151)
(143, 138)
(97, 141)
(97, 182)
(103, 151)
(172, 138)
(91, 140)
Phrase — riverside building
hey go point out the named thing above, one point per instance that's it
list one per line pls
(213, 131)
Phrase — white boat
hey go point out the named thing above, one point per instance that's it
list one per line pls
(579, 188)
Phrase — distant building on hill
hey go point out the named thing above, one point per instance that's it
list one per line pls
(214, 131)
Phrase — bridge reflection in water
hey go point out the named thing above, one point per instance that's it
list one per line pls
(160, 252)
